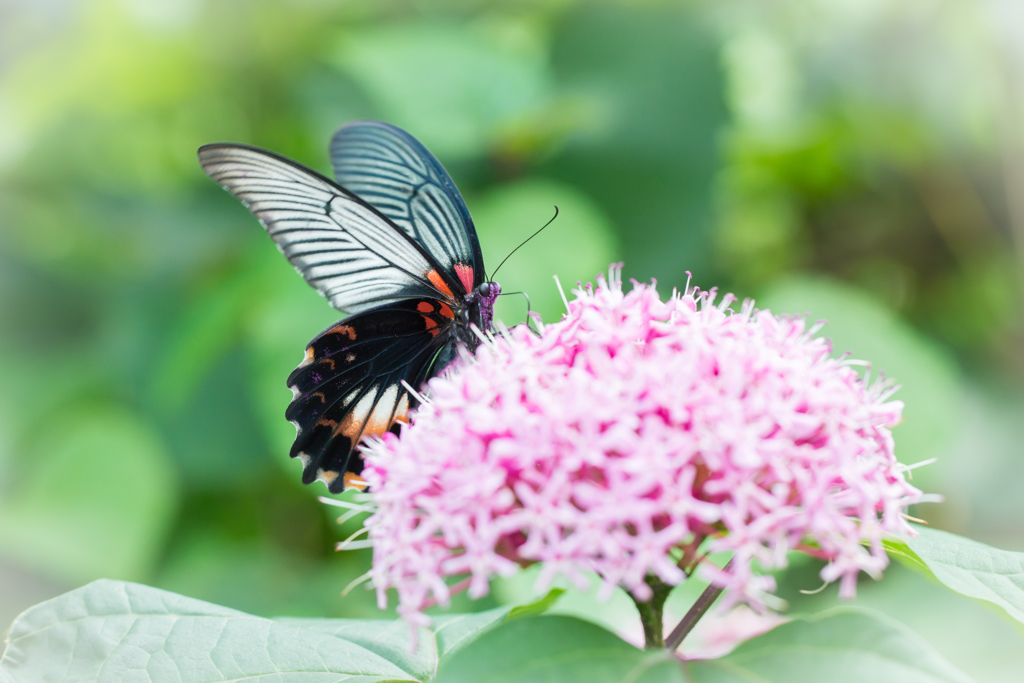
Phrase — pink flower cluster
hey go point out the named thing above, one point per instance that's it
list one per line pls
(631, 430)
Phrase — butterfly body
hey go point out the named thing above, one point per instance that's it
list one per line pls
(392, 243)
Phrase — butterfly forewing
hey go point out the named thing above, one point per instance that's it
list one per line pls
(350, 383)
(342, 246)
(396, 174)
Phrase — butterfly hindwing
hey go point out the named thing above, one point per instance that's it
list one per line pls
(396, 174)
(346, 249)
(350, 383)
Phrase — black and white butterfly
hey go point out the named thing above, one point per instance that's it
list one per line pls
(392, 243)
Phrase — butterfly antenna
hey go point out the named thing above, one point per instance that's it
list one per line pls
(524, 242)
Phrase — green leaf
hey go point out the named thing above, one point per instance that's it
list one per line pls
(384, 637)
(115, 631)
(839, 646)
(616, 613)
(537, 606)
(899, 549)
(454, 631)
(390, 639)
(109, 629)
(556, 648)
(973, 569)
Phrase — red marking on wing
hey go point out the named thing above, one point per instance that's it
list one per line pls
(446, 311)
(438, 281)
(425, 307)
(431, 323)
(465, 274)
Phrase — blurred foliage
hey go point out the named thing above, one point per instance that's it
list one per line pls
(861, 162)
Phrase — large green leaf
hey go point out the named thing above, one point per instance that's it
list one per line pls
(839, 646)
(556, 649)
(453, 631)
(968, 567)
(390, 639)
(114, 631)
(386, 638)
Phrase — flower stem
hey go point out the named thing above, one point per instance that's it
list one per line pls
(652, 612)
(697, 610)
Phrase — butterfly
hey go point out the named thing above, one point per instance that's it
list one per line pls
(390, 242)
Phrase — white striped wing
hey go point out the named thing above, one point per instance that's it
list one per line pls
(343, 247)
(392, 171)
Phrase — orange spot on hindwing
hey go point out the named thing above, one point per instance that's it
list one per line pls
(383, 413)
(425, 307)
(352, 424)
(446, 311)
(345, 330)
(366, 418)
(354, 481)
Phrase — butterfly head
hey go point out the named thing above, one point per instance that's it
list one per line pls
(487, 293)
(479, 310)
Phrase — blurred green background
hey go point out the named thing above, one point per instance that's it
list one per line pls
(861, 161)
